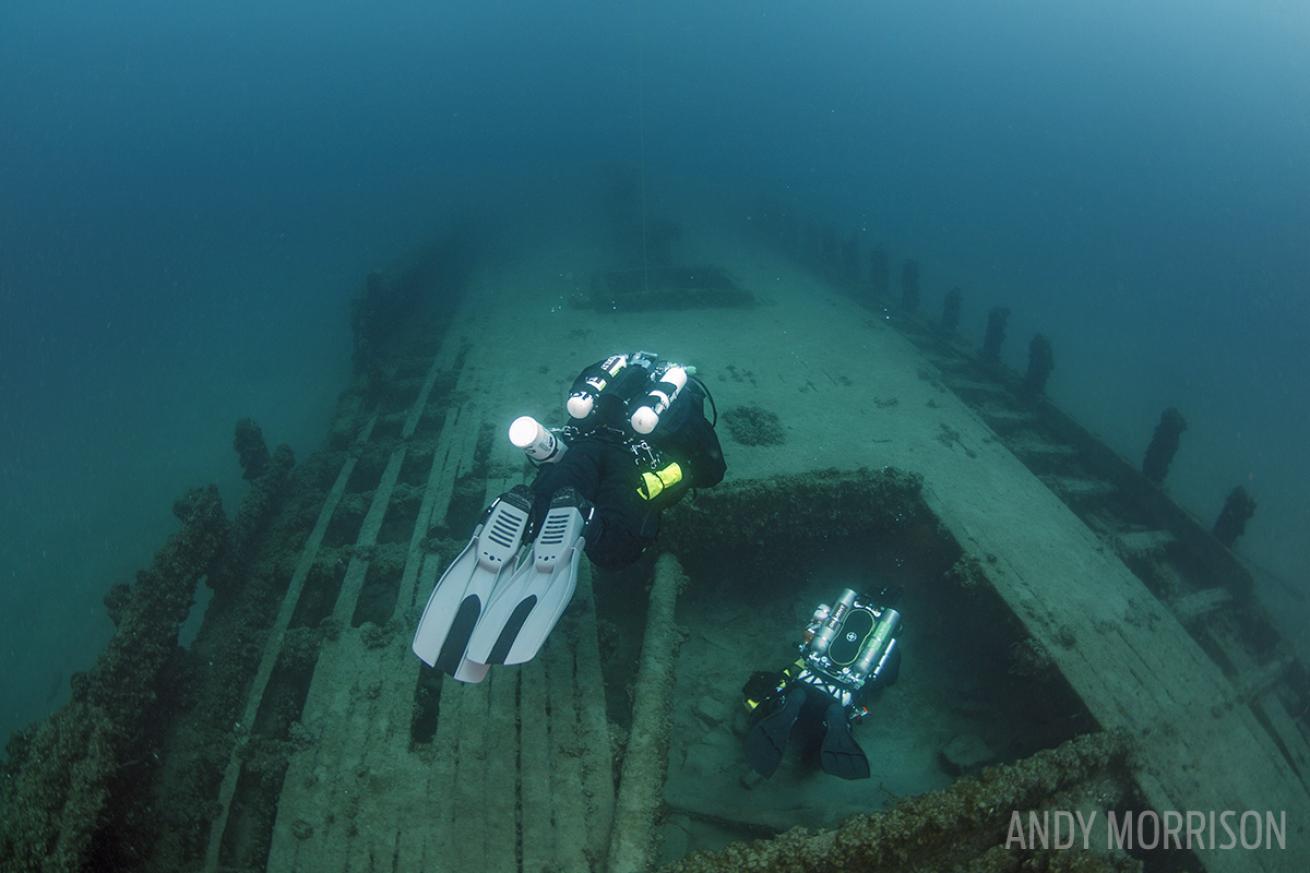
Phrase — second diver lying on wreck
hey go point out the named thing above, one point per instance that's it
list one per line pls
(849, 651)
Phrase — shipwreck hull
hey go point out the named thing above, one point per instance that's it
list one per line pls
(1103, 649)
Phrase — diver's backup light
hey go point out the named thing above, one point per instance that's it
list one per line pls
(536, 442)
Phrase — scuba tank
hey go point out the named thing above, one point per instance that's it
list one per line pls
(851, 642)
(545, 446)
(590, 384)
(878, 645)
(642, 403)
(659, 399)
(835, 619)
(629, 395)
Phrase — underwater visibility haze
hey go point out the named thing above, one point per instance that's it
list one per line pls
(981, 323)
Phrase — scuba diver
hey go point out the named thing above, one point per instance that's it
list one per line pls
(848, 652)
(637, 441)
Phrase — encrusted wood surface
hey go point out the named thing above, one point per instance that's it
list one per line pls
(528, 746)
(362, 795)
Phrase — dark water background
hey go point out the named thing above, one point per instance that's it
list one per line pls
(189, 194)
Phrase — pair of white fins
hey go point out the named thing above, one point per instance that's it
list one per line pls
(499, 600)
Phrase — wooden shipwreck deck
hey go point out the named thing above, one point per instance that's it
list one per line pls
(380, 765)
(488, 789)
(852, 392)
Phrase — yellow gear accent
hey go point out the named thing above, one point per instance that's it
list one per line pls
(654, 482)
(787, 673)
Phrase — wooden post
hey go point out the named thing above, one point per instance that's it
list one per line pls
(641, 786)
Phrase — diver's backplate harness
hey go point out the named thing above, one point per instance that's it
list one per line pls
(846, 648)
(627, 399)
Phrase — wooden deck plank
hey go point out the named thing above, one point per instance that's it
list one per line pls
(472, 828)
(441, 362)
(456, 706)
(442, 455)
(500, 801)
(569, 809)
(1198, 604)
(998, 415)
(360, 704)
(357, 570)
(273, 645)
(342, 712)
(1076, 488)
(1257, 686)
(1042, 448)
(534, 752)
(593, 721)
(1145, 542)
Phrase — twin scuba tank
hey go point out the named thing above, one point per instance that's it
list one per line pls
(852, 641)
(630, 394)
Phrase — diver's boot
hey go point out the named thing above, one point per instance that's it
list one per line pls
(840, 755)
(562, 498)
(568, 497)
(768, 736)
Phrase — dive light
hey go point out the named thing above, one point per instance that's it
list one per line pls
(536, 442)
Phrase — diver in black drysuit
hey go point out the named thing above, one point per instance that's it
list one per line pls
(637, 441)
(849, 653)
(609, 469)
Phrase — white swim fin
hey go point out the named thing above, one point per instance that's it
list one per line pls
(464, 591)
(523, 611)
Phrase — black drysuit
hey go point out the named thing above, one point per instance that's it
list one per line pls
(605, 472)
